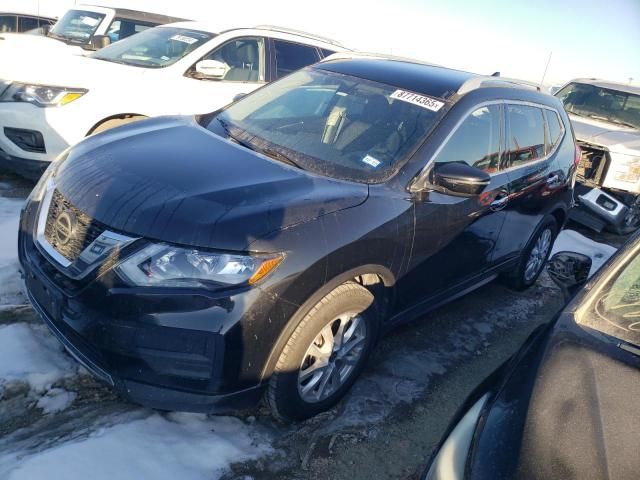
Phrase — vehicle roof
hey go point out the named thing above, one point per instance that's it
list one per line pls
(224, 27)
(413, 75)
(622, 87)
(26, 13)
(137, 15)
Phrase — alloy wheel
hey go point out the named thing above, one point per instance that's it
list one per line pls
(332, 357)
(538, 255)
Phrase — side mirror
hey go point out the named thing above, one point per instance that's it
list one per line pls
(570, 271)
(99, 41)
(212, 69)
(460, 178)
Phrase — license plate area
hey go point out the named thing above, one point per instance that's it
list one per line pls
(49, 300)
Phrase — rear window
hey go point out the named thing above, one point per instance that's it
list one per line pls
(525, 135)
(555, 129)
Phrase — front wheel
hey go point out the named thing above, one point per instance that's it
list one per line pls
(534, 256)
(324, 355)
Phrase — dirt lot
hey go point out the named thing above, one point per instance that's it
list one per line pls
(387, 426)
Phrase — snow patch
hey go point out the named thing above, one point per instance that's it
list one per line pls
(32, 355)
(572, 241)
(56, 400)
(162, 447)
(11, 291)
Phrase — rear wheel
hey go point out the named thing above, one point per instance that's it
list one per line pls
(534, 257)
(324, 355)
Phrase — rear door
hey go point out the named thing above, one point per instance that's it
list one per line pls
(455, 236)
(533, 173)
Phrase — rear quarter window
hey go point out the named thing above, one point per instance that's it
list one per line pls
(555, 129)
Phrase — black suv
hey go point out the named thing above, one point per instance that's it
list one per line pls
(201, 263)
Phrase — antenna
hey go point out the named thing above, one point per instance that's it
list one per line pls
(544, 74)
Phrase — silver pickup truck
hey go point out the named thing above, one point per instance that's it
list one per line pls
(606, 120)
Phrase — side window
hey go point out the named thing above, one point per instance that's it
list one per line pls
(121, 28)
(27, 23)
(293, 56)
(7, 23)
(525, 142)
(476, 141)
(243, 57)
(555, 129)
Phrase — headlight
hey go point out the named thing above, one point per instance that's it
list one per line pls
(40, 95)
(451, 460)
(626, 168)
(161, 265)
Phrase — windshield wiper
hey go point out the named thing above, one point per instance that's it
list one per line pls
(269, 152)
(227, 131)
(278, 155)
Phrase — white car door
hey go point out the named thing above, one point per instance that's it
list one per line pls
(244, 61)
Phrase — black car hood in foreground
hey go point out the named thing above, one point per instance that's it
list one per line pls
(170, 179)
(568, 411)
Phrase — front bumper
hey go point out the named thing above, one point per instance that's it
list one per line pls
(165, 349)
(59, 127)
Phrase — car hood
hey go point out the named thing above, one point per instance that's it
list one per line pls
(169, 179)
(39, 45)
(616, 138)
(61, 67)
(567, 411)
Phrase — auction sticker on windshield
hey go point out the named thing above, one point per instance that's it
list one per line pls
(419, 100)
(184, 39)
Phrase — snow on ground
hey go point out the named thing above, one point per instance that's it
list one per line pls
(173, 446)
(32, 355)
(572, 241)
(11, 291)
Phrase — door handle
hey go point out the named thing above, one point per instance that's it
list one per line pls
(499, 203)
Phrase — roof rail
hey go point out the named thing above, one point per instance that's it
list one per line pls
(381, 56)
(484, 82)
(302, 33)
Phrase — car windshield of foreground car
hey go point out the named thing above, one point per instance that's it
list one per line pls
(154, 48)
(615, 309)
(77, 26)
(332, 124)
(601, 104)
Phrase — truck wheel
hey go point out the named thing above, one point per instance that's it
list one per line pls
(534, 256)
(116, 122)
(324, 355)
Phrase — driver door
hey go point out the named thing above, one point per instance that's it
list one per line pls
(244, 60)
(455, 236)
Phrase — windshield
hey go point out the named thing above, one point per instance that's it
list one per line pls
(616, 307)
(601, 103)
(332, 124)
(154, 48)
(77, 26)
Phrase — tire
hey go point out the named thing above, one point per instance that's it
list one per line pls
(295, 391)
(116, 122)
(522, 278)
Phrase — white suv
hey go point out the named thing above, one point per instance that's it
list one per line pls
(178, 69)
(81, 30)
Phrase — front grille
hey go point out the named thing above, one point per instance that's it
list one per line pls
(73, 241)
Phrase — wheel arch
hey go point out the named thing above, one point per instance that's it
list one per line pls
(117, 116)
(365, 275)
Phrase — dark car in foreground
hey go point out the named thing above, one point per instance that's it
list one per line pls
(262, 250)
(564, 406)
